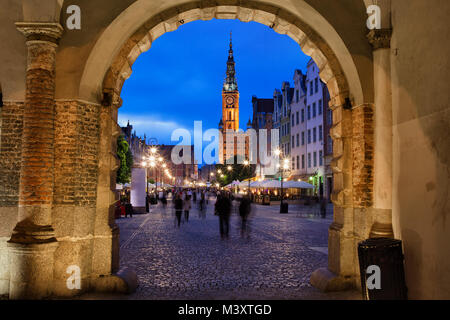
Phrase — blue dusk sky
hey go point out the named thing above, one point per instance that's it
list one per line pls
(179, 80)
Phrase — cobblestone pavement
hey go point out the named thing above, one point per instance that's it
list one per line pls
(274, 262)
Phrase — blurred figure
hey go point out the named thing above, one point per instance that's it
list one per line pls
(122, 209)
(223, 210)
(128, 210)
(164, 200)
(178, 204)
(202, 211)
(323, 208)
(244, 211)
(194, 196)
(187, 207)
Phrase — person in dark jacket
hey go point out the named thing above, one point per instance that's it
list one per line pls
(178, 204)
(128, 210)
(223, 210)
(244, 212)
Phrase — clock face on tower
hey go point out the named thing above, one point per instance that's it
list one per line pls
(229, 100)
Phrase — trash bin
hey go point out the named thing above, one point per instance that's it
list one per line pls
(284, 207)
(386, 254)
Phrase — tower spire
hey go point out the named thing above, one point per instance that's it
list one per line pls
(231, 40)
(230, 83)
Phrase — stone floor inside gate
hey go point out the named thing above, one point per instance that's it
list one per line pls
(274, 260)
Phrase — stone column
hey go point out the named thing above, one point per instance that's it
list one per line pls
(341, 273)
(33, 242)
(382, 195)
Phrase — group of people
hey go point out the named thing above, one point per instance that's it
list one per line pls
(124, 209)
(223, 208)
(183, 203)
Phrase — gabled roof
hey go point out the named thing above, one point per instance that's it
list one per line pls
(290, 94)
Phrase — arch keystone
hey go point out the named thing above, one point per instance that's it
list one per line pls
(226, 12)
(208, 13)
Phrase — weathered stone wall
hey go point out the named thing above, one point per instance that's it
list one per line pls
(10, 159)
(362, 152)
(77, 137)
(10, 153)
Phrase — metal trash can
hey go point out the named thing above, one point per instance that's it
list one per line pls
(387, 254)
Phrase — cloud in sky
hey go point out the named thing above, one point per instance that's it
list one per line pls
(152, 125)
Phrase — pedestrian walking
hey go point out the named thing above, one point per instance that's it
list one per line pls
(128, 210)
(122, 210)
(202, 211)
(187, 207)
(223, 210)
(164, 200)
(244, 212)
(178, 204)
(323, 208)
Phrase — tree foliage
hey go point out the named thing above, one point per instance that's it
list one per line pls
(126, 161)
(238, 172)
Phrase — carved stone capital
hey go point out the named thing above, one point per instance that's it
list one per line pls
(380, 38)
(43, 31)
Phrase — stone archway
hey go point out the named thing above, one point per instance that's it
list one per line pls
(351, 164)
(75, 224)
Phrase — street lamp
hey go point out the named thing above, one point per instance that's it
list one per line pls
(284, 166)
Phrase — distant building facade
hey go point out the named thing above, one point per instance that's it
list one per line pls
(303, 116)
(298, 126)
(263, 110)
(180, 173)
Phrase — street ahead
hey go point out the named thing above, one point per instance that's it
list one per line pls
(273, 261)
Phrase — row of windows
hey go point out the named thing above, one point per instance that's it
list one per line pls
(285, 148)
(296, 160)
(285, 129)
(313, 86)
(317, 134)
(316, 110)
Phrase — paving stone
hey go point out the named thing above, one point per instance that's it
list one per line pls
(192, 262)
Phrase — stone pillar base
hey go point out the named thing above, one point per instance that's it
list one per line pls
(326, 281)
(31, 270)
(124, 281)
